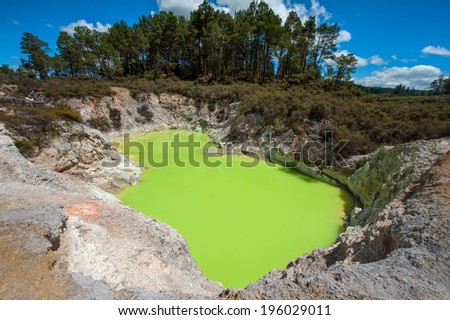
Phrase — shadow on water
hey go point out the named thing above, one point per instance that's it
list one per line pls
(346, 197)
(347, 205)
(344, 194)
(299, 175)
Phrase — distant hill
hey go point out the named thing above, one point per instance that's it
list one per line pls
(408, 91)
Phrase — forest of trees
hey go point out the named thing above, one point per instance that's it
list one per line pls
(253, 45)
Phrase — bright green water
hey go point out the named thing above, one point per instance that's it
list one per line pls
(239, 222)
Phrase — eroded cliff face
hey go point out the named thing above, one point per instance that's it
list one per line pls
(88, 154)
(82, 151)
(124, 112)
(63, 239)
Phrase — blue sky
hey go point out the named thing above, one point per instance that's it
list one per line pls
(397, 41)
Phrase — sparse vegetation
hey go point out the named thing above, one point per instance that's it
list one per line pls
(203, 124)
(68, 88)
(100, 124)
(33, 127)
(145, 112)
(367, 121)
(116, 118)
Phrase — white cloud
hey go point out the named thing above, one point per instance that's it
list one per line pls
(408, 60)
(319, 11)
(179, 7)
(233, 5)
(362, 62)
(14, 22)
(83, 23)
(344, 36)
(49, 25)
(377, 60)
(280, 7)
(403, 60)
(418, 77)
(440, 51)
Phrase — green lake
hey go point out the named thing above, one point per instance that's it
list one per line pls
(241, 218)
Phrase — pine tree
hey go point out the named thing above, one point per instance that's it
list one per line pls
(38, 60)
(71, 53)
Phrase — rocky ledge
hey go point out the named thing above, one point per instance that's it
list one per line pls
(63, 239)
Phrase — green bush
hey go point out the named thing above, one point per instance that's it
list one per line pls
(101, 124)
(70, 114)
(33, 127)
(203, 124)
(319, 112)
(116, 118)
(25, 147)
(145, 112)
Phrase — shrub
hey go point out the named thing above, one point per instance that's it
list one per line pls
(319, 112)
(70, 114)
(203, 124)
(145, 112)
(116, 118)
(100, 124)
(25, 147)
(33, 127)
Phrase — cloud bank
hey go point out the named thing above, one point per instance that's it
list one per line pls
(418, 77)
(280, 7)
(70, 29)
(179, 7)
